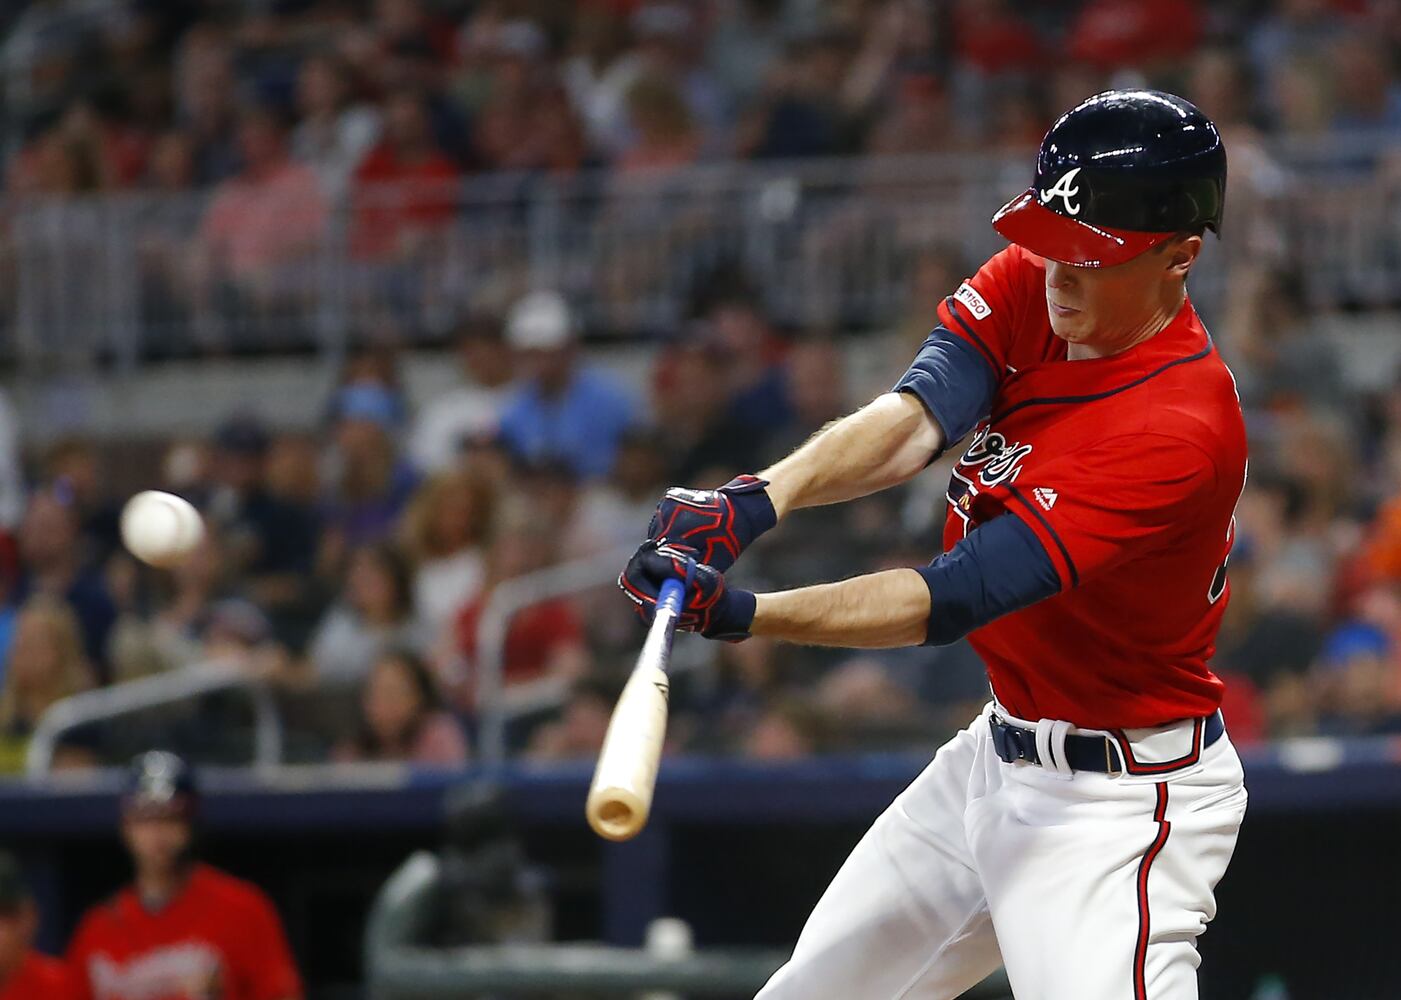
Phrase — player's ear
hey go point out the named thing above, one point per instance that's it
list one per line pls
(1182, 253)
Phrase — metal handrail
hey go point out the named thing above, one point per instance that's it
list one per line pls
(505, 602)
(152, 692)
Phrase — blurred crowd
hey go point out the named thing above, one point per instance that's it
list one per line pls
(354, 567)
(275, 100)
(294, 172)
(357, 567)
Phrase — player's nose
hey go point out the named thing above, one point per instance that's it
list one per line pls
(1059, 275)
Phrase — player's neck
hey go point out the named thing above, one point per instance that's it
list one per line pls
(1156, 321)
(156, 889)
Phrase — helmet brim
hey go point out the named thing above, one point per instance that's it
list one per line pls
(1030, 224)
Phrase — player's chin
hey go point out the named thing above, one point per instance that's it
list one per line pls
(1071, 329)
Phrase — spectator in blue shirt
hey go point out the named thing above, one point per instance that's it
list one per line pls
(563, 410)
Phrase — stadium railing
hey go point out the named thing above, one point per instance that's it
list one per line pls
(827, 244)
(105, 704)
(499, 704)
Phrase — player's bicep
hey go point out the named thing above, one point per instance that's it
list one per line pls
(954, 382)
(998, 568)
(1113, 502)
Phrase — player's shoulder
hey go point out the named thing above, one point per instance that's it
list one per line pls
(1011, 272)
(102, 920)
(212, 885)
(47, 969)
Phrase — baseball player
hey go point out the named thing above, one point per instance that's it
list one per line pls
(182, 930)
(25, 974)
(1076, 830)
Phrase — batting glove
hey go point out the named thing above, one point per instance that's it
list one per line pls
(718, 524)
(712, 608)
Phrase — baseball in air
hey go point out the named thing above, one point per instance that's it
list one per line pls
(159, 528)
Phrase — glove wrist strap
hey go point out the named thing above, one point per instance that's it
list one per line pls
(753, 508)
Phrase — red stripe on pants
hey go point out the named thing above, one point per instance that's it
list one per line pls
(1140, 954)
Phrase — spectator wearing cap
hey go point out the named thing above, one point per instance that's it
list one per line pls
(1354, 678)
(472, 410)
(172, 636)
(25, 974)
(181, 928)
(75, 462)
(371, 484)
(269, 540)
(565, 411)
(610, 509)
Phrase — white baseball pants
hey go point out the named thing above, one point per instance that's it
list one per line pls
(1085, 886)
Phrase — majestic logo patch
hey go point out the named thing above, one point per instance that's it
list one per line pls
(1046, 498)
(976, 304)
(1063, 190)
(1001, 461)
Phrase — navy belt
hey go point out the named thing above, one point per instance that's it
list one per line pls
(1095, 753)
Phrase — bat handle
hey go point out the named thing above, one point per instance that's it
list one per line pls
(671, 596)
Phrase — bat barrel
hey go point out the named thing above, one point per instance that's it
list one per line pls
(620, 798)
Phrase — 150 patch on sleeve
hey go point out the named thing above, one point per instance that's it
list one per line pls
(976, 304)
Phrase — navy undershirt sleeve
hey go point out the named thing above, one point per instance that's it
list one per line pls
(998, 568)
(953, 381)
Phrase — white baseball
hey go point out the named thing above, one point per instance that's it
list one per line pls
(159, 528)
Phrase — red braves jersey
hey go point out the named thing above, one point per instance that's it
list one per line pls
(38, 978)
(219, 939)
(1128, 469)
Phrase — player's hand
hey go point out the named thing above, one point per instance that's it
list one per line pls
(712, 608)
(718, 524)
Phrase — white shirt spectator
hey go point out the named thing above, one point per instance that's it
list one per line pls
(335, 149)
(467, 412)
(442, 586)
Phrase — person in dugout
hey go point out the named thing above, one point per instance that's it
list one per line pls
(182, 930)
(25, 974)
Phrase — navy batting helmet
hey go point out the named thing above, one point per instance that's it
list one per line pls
(1117, 175)
(160, 783)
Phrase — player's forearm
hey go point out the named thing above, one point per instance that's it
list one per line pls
(876, 611)
(880, 445)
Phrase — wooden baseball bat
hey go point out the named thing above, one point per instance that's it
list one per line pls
(620, 797)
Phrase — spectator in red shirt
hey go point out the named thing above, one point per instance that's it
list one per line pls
(182, 930)
(543, 641)
(405, 187)
(1110, 34)
(267, 218)
(24, 973)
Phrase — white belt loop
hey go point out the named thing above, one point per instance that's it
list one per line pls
(1050, 746)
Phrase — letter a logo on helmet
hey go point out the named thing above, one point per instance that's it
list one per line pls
(1117, 175)
(1062, 189)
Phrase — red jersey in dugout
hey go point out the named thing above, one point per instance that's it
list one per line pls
(218, 939)
(38, 977)
(1128, 470)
